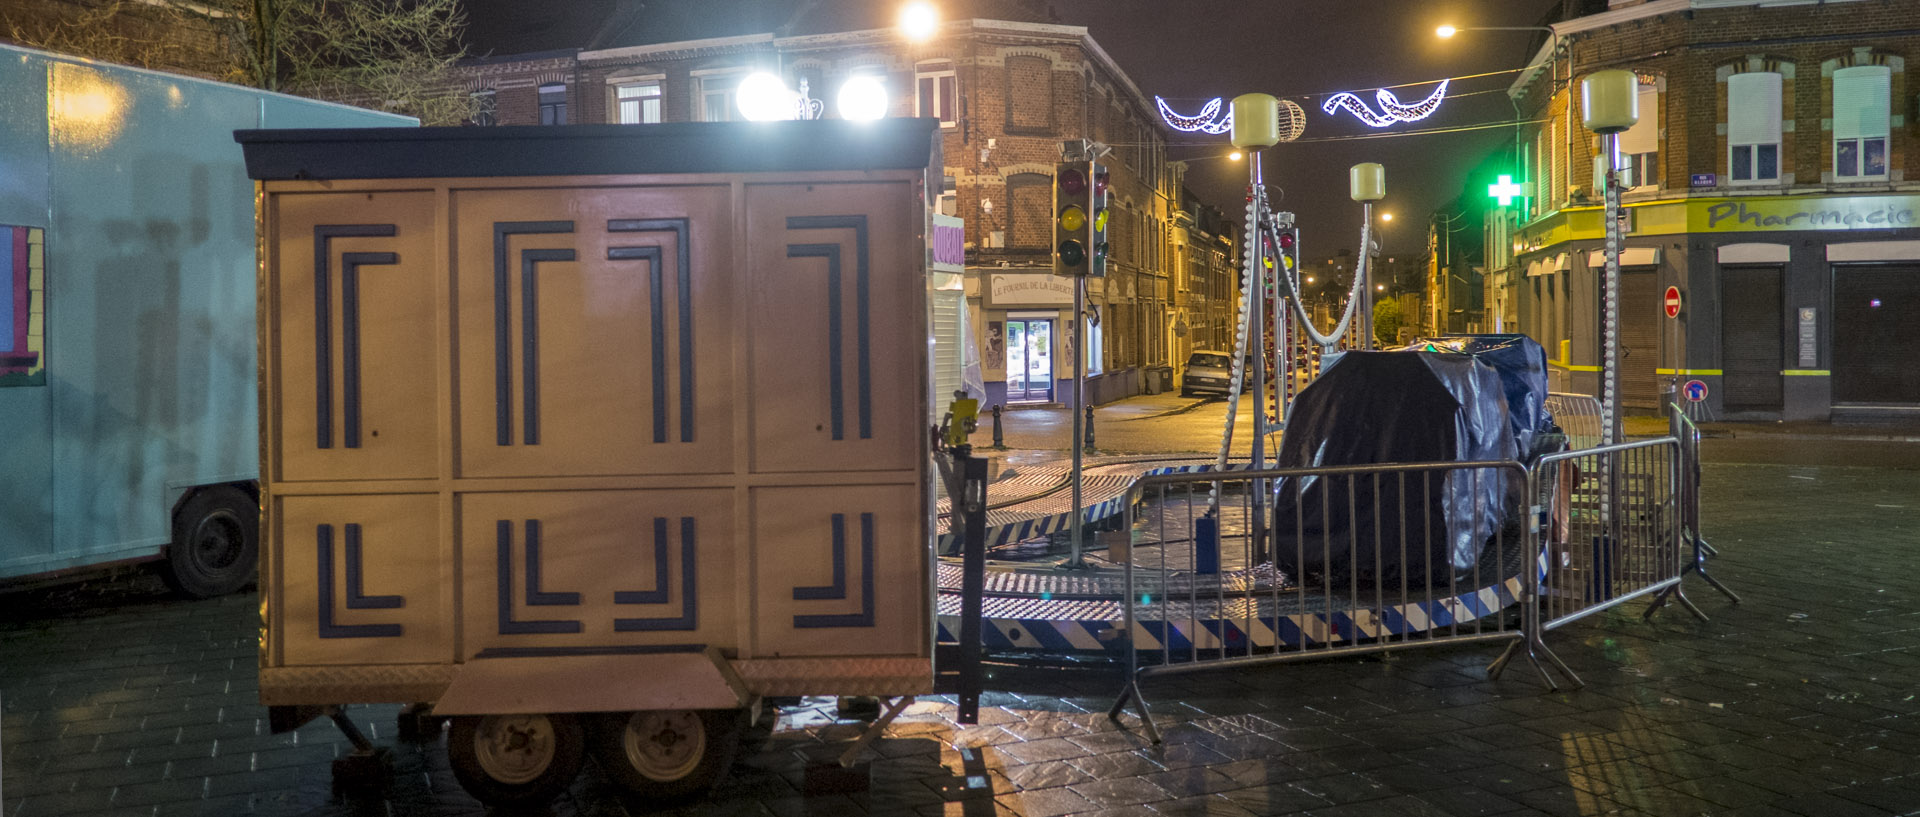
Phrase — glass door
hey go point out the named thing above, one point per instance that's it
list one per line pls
(1029, 361)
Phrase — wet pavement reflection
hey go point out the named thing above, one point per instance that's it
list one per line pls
(118, 699)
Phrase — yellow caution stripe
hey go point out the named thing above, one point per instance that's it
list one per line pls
(1714, 372)
(1807, 373)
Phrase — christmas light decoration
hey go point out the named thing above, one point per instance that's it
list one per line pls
(1209, 120)
(1392, 110)
(1292, 120)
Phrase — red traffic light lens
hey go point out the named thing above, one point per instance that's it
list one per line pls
(1072, 254)
(1073, 182)
(1286, 241)
(1101, 180)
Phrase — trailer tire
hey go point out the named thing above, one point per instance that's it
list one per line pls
(216, 543)
(515, 761)
(668, 755)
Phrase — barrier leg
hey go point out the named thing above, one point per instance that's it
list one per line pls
(1131, 692)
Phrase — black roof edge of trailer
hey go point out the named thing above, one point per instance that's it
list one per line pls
(582, 150)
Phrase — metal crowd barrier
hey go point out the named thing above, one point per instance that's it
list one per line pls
(1687, 433)
(1303, 563)
(1578, 416)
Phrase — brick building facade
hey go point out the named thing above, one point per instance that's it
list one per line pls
(1771, 179)
(1009, 93)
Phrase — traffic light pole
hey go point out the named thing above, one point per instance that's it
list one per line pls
(1079, 424)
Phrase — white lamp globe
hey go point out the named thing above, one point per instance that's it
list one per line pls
(762, 97)
(863, 98)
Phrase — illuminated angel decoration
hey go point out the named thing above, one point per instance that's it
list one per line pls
(1392, 111)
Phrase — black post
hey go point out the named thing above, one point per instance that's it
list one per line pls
(1089, 440)
(999, 438)
(973, 578)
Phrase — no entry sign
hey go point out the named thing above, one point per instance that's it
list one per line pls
(1673, 302)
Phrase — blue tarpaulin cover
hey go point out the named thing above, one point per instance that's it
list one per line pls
(1396, 407)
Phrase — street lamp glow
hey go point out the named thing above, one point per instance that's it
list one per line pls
(1386, 216)
(1309, 279)
(1380, 287)
(919, 21)
(1235, 155)
(762, 97)
(863, 98)
(1446, 32)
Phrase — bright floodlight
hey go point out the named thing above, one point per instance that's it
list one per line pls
(762, 97)
(863, 97)
(919, 21)
(1446, 31)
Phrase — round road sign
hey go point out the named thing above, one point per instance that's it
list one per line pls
(1673, 302)
(1695, 390)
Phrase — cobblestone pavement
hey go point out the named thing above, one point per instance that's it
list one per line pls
(119, 700)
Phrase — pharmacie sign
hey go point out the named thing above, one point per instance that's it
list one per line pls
(1849, 213)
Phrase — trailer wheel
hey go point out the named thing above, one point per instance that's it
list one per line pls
(668, 755)
(216, 543)
(515, 760)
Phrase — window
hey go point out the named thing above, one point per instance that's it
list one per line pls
(1753, 127)
(484, 110)
(1640, 144)
(937, 92)
(553, 104)
(1860, 121)
(714, 102)
(637, 103)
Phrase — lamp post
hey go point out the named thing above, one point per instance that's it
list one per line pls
(1610, 103)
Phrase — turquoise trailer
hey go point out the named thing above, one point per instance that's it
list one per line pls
(128, 399)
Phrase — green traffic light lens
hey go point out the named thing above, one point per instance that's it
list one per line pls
(1072, 254)
(1073, 218)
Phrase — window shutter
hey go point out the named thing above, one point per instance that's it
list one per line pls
(1644, 136)
(1861, 101)
(1753, 109)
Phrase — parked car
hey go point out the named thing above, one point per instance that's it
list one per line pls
(1208, 372)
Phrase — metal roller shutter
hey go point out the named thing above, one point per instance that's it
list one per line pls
(1751, 327)
(1876, 317)
(1640, 324)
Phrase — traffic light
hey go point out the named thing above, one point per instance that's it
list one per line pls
(1080, 219)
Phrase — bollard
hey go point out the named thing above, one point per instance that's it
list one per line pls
(999, 437)
(1089, 440)
(1206, 545)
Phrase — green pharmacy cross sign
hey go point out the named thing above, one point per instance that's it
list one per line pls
(1506, 191)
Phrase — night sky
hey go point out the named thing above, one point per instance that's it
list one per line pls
(1193, 50)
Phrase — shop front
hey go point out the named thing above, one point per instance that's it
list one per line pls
(1789, 308)
(1026, 331)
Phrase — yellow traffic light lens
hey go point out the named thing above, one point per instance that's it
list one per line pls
(1073, 218)
(1100, 220)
